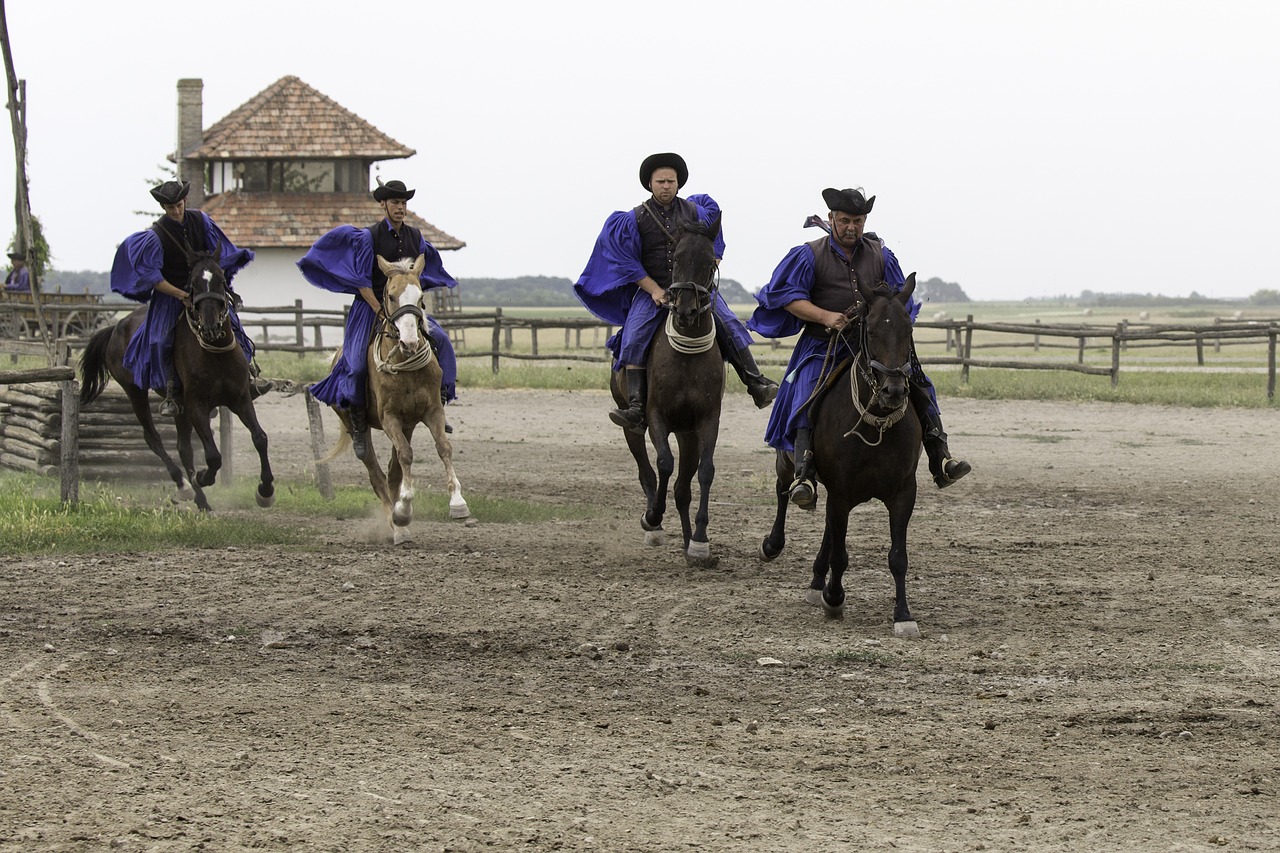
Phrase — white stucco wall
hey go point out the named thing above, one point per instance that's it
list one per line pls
(273, 280)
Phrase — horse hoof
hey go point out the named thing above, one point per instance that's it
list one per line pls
(813, 597)
(184, 494)
(400, 534)
(401, 516)
(699, 554)
(906, 629)
(832, 611)
(459, 510)
(655, 538)
(766, 553)
(265, 496)
(206, 478)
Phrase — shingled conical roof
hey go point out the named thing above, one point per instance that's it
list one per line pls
(291, 120)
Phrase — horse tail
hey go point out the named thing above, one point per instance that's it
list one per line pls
(344, 441)
(93, 365)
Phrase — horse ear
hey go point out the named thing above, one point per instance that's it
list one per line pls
(867, 291)
(418, 265)
(384, 265)
(714, 228)
(908, 288)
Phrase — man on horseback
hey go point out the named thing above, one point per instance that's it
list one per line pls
(154, 266)
(626, 279)
(813, 292)
(345, 260)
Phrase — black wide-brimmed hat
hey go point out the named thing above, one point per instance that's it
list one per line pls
(171, 192)
(666, 160)
(392, 189)
(848, 201)
(17, 256)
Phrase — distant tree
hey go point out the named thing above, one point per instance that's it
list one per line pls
(1265, 297)
(734, 292)
(937, 290)
(38, 257)
(78, 281)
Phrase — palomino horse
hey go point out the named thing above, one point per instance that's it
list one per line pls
(213, 372)
(686, 384)
(403, 391)
(866, 445)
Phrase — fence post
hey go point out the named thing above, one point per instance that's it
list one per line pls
(299, 334)
(1271, 364)
(226, 443)
(533, 336)
(1080, 355)
(1217, 342)
(316, 426)
(1035, 341)
(69, 447)
(497, 336)
(1115, 355)
(319, 338)
(968, 349)
(1199, 349)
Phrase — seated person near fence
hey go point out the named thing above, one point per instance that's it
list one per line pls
(19, 278)
(345, 260)
(154, 267)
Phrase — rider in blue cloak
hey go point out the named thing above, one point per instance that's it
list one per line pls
(626, 278)
(345, 261)
(154, 266)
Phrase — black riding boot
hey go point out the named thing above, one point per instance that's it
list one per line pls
(359, 430)
(804, 489)
(944, 469)
(169, 406)
(761, 388)
(632, 417)
(257, 385)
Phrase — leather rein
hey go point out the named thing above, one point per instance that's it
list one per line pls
(387, 331)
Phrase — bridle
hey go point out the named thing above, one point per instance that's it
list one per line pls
(387, 330)
(704, 296)
(869, 369)
(208, 336)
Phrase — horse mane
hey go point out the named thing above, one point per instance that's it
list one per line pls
(402, 265)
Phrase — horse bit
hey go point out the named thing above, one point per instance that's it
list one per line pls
(387, 328)
(880, 423)
(688, 344)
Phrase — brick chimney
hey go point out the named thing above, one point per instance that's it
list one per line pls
(190, 135)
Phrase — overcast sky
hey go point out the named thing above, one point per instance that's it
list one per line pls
(1021, 149)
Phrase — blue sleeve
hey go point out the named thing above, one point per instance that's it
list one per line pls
(893, 276)
(230, 258)
(792, 279)
(608, 282)
(341, 261)
(433, 272)
(709, 209)
(136, 269)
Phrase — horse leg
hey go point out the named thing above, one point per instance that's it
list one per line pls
(652, 519)
(648, 484)
(434, 422)
(185, 453)
(833, 542)
(773, 543)
(399, 477)
(698, 548)
(142, 411)
(196, 414)
(900, 511)
(266, 493)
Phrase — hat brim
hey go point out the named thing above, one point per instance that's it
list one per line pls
(847, 201)
(665, 160)
(383, 193)
(167, 194)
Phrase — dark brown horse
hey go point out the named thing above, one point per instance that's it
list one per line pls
(866, 439)
(212, 370)
(686, 384)
(403, 391)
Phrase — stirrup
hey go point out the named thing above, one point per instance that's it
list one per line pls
(259, 386)
(804, 494)
(169, 407)
(952, 470)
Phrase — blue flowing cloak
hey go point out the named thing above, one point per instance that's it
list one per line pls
(135, 273)
(792, 280)
(608, 289)
(341, 261)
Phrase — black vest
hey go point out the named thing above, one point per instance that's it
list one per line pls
(394, 247)
(174, 238)
(657, 249)
(835, 280)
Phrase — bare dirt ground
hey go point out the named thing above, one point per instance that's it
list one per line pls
(1098, 665)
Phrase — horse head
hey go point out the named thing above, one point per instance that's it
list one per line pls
(402, 302)
(693, 273)
(209, 303)
(886, 341)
